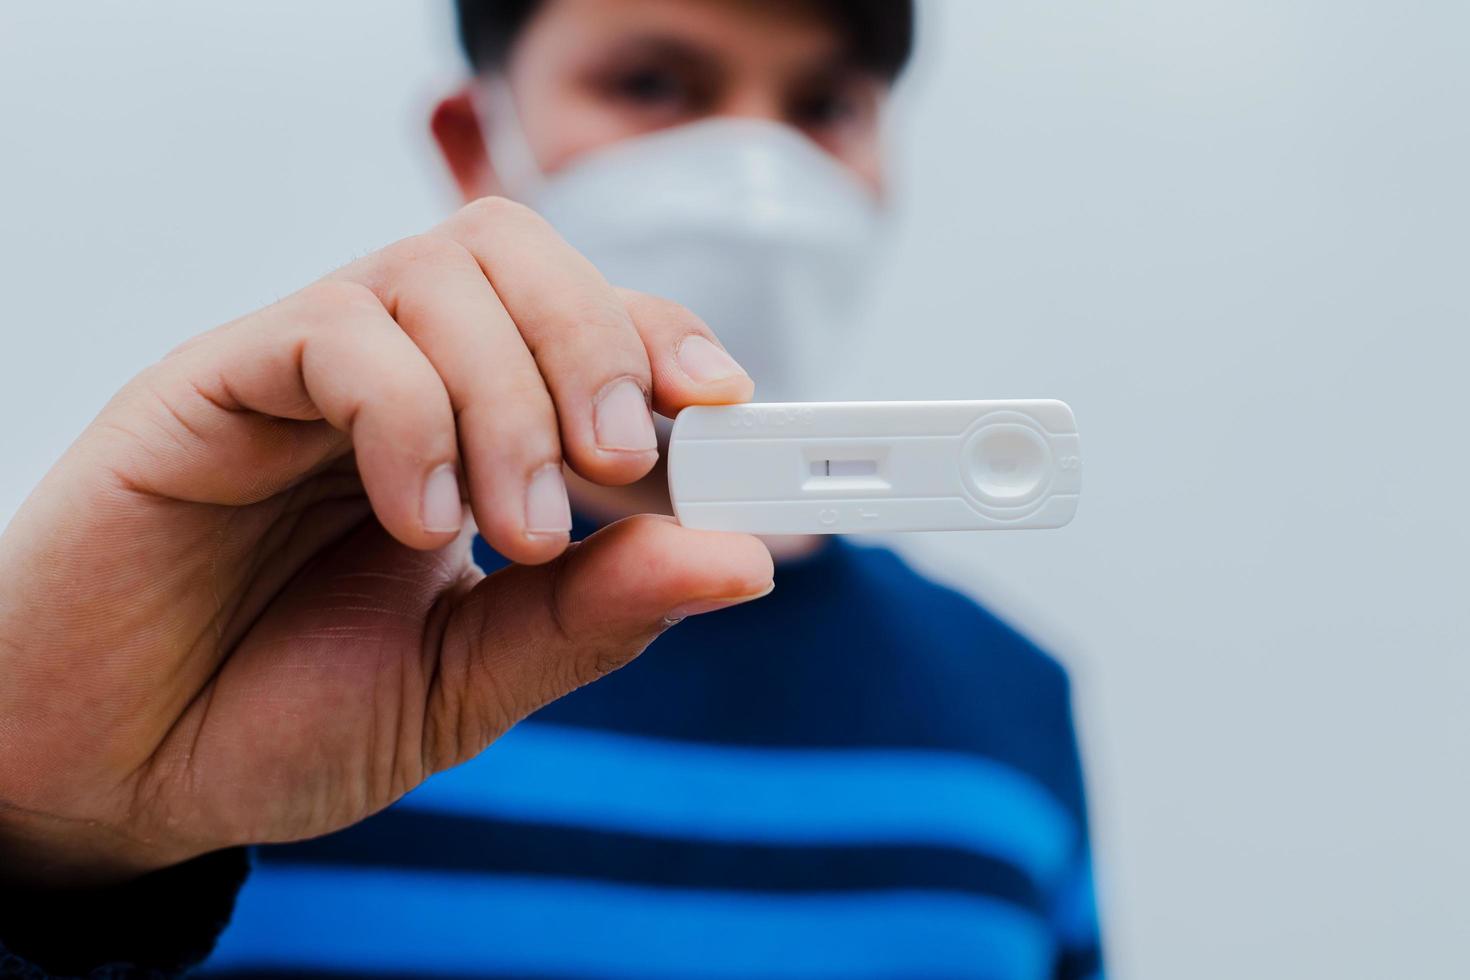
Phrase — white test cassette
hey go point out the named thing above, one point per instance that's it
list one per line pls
(853, 467)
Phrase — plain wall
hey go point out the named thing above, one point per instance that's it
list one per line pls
(1234, 234)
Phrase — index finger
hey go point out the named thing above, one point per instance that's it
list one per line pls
(582, 337)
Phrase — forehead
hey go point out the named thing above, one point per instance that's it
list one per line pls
(776, 31)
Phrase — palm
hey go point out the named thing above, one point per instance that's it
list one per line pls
(294, 665)
(322, 700)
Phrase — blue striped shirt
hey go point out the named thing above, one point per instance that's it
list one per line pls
(862, 775)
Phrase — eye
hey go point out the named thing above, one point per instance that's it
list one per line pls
(831, 103)
(652, 87)
(823, 109)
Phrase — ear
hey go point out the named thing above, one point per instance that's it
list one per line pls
(457, 131)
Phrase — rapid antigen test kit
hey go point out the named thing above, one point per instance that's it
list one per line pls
(853, 467)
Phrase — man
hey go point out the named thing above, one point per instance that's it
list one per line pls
(240, 611)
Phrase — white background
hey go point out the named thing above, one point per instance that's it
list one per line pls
(1232, 233)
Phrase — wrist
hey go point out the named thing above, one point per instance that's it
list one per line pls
(157, 924)
(53, 853)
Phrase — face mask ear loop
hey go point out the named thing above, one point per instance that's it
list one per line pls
(516, 167)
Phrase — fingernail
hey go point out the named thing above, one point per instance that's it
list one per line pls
(441, 508)
(710, 605)
(547, 510)
(622, 419)
(704, 361)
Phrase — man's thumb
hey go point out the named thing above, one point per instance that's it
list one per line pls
(527, 635)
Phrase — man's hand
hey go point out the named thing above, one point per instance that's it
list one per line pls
(241, 608)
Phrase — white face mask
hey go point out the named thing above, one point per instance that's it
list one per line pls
(746, 222)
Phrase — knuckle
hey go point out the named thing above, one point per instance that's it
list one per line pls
(526, 392)
(418, 251)
(407, 395)
(661, 311)
(329, 300)
(521, 424)
(593, 665)
(494, 210)
(529, 442)
(606, 319)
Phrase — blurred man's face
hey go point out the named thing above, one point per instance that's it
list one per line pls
(587, 73)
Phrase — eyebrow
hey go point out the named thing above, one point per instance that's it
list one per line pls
(665, 48)
(681, 52)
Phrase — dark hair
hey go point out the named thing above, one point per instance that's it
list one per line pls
(881, 32)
